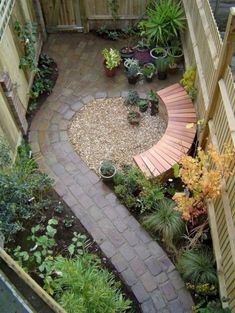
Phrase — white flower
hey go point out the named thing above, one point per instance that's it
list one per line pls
(170, 180)
(27, 41)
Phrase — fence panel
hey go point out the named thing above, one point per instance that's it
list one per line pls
(203, 47)
(11, 50)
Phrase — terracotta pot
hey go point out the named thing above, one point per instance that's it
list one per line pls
(110, 73)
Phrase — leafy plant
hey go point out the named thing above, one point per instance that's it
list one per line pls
(107, 168)
(22, 188)
(133, 71)
(129, 62)
(197, 266)
(5, 156)
(59, 208)
(112, 58)
(149, 197)
(132, 98)
(68, 221)
(149, 70)
(166, 221)
(165, 20)
(79, 244)
(28, 37)
(133, 117)
(212, 307)
(143, 105)
(162, 65)
(113, 35)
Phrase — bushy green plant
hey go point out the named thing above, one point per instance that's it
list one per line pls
(28, 37)
(165, 19)
(150, 196)
(21, 191)
(112, 58)
(149, 70)
(188, 81)
(143, 105)
(166, 221)
(107, 168)
(84, 287)
(212, 307)
(132, 98)
(5, 156)
(197, 266)
(133, 70)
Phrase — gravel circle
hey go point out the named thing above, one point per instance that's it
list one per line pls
(100, 130)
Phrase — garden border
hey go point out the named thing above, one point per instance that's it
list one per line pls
(141, 262)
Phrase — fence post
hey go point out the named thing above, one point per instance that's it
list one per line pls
(224, 60)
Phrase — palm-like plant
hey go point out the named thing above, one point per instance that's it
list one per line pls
(197, 266)
(166, 221)
(165, 20)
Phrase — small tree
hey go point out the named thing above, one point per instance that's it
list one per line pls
(203, 177)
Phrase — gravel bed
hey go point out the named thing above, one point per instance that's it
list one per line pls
(100, 130)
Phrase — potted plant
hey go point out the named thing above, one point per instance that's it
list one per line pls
(128, 62)
(149, 71)
(133, 73)
(133, 117)
(127, 53)
(158, 53)
(142, 52)
(176, 53)
(162, 67)
(154, 102)
(107, 170)
(132, 98)
(143, 105)
(165, 20)
(173, 67)
(112, 59)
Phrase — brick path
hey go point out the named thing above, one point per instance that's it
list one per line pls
(142, 263)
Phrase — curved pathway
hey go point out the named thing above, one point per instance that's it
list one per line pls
(141, 262)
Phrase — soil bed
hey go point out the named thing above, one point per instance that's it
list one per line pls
(100, 130)
(64, 236)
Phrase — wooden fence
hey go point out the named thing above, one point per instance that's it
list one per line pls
(89, 14)
(215, 104)
(14, 82)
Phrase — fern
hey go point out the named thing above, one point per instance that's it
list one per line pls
(197, 266)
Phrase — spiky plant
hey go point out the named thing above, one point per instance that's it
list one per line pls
(197, 266)
(166, 221)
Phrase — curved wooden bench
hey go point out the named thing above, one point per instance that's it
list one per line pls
(177, 139)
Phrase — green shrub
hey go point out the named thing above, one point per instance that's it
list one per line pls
(150, 197)
(197, 266)
(22, 188)
(213, 307)
(166, 221)
(121, 191)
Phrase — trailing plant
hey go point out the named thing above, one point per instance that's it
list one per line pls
(5, 156)
(188, 81)
(197, 266)
(132, 98)
(167, 222)
(203, 177)
(112, 58)
(114, 7)
(27, 34)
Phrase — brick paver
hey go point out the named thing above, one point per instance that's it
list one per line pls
(141, 262)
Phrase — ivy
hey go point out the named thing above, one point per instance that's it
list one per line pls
(27, 34)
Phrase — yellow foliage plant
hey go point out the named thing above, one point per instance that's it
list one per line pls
(203, 177)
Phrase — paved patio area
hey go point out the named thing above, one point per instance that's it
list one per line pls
(142, 263)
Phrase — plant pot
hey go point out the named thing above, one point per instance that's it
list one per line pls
(108, 72)
(149, 79)
(142, 55)
(161, 75)
(133, 80)
(107, 178)
(161, 55)
(134, 120)
(127, 53)
(177, 58)
(173, 69)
